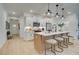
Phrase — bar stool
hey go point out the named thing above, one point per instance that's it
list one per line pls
(67, 42)
(60, 43)
(53, 43)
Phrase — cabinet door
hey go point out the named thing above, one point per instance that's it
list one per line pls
(38, 43)
(35, 41)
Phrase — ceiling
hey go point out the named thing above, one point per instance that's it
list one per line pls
(21, 8)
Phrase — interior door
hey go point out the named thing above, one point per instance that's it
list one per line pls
(14, 28)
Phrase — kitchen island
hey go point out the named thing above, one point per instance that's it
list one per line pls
(40, 37)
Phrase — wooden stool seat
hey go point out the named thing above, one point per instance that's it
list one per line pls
(59, 39)
(65, 37)
(51, 41)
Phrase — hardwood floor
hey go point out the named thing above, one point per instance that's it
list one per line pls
(17, 46)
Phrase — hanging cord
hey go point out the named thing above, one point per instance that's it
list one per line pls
(49, 11)
(48, 6)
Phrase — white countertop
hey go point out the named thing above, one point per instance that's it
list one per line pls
(51, 33)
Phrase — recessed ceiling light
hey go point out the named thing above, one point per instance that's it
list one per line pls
(13, 12)
(31, 11)
(69, 12)
(14, 25)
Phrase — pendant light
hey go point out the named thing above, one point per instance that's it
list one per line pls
(49, 12)
(62, 16)
(57, 13)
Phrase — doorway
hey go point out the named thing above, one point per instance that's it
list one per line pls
(13, 28)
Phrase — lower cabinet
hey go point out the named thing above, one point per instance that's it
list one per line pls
(38, 43)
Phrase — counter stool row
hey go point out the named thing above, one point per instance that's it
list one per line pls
(60, 41)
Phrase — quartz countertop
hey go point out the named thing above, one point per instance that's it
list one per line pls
(51, 33)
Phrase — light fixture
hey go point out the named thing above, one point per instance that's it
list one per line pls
(13, 12)
(49, 12)
(31, 11)
(14, 25)
(69, 12)
(57, 13)
(62, 16)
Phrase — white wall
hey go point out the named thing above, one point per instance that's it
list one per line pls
(22, 32)
(3, 16)
(70, 24)
(24, 21)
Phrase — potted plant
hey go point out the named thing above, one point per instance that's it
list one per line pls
(61, 25)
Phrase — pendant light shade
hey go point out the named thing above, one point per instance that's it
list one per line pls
(62, 16)
(49, 12)
(57, 13)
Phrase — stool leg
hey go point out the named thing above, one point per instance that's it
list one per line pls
(53, 49)
(59, 46)
(69, 43)
(65, 43)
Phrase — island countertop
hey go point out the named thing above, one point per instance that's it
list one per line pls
(50, 33)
